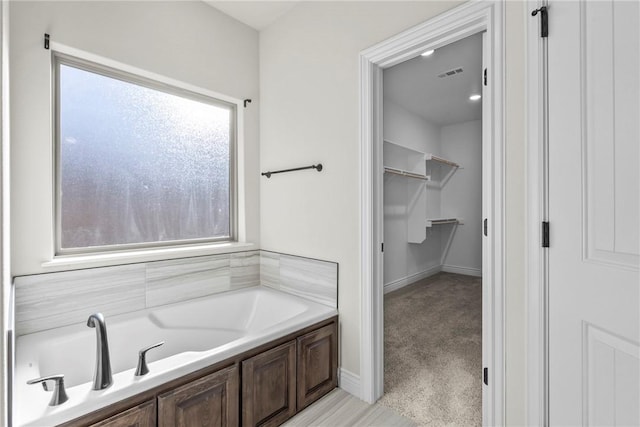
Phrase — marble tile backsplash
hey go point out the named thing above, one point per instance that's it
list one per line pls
(51, 300)
(196, 278)
(305, 277)
(45, 301)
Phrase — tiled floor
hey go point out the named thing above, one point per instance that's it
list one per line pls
(339, 408)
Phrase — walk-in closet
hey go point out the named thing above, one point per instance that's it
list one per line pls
(433, 227)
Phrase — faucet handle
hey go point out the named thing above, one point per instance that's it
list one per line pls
(142, 368)
(59, 393)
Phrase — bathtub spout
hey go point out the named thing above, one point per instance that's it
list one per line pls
(102, 376)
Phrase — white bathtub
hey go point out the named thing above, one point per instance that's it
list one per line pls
(196, 333)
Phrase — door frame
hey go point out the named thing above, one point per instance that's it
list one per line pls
(537, 210)
(6, 293)
(467, 19)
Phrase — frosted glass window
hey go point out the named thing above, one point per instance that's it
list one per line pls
(138, 165)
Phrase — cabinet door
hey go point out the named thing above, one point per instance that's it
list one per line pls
(269, 387)
(143, 415)
(317, 364)
(209, 401)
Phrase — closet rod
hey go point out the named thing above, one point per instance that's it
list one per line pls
(317, 167)
(405, 173)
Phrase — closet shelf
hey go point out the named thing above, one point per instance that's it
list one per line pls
(440, 165)
(405, 173)
(439, 221)
(434, 158)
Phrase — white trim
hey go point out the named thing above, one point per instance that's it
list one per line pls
(462, 21)
(349, 382)
(103, 259)
(6, 301)
(145, 74)
(467, 271)
(407, 280)
(536, 212)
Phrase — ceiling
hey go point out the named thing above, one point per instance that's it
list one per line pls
(415, 85)
(256, 14)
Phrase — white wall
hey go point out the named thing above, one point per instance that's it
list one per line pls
(309, 86)
(462, 195)
(187, 41)
(409, 130)
(403, 260)
(309, 93)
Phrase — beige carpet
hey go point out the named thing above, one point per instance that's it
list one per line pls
(433, 351)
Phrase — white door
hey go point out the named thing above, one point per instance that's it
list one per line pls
(594, 135)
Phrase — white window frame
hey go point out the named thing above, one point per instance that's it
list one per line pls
(107, 255)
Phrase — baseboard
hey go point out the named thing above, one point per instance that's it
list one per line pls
(350, 383)
(401, 283)
(467, 271)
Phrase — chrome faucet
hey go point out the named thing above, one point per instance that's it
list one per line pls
(102, 376)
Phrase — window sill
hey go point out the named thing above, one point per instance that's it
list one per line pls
(71, 262)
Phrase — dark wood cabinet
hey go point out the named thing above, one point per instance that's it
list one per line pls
(269, 387)
(317, 364)
(211, 401)
(143, 415)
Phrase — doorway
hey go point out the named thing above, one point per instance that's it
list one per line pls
(464, 21)
(432, 202)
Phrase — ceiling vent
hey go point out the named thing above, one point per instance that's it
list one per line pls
(450, 73)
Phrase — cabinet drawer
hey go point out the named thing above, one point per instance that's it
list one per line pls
(269, 387)
(317, 364)
(143, 415)
(211, 401)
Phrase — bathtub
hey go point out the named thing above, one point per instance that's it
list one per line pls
(197, 333)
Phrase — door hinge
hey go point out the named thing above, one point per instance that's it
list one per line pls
(382, 247)
(544, 20)
(47, 37)
(485, 227)
(485, 376)
(485, 76)
(545, 234)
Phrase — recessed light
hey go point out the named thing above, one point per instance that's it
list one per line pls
(428, 53)
(475, 97)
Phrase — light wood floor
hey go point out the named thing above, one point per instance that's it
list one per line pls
(339, 408)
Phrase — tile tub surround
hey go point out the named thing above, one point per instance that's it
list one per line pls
(305, 277)
(46, 301)
(201, 276)
(52, 300)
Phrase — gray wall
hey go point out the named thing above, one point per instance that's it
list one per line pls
(462, 196)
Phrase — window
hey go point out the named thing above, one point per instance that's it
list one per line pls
(139, 163)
